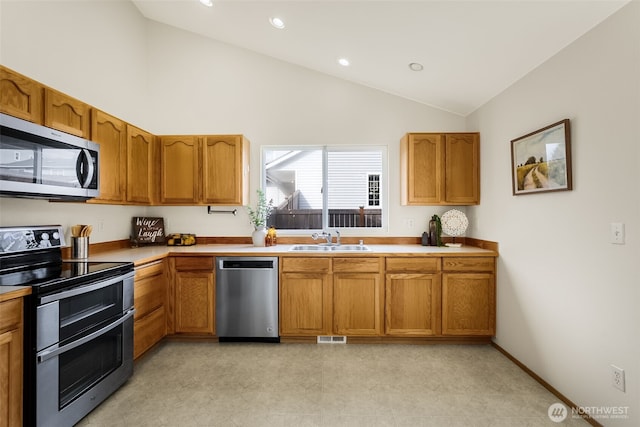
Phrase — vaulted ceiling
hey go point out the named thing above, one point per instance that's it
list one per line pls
(469, 51)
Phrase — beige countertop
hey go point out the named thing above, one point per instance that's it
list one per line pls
(142, 255)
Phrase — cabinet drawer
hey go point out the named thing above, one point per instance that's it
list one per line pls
(148, 330)
(356, 265)
(149, 270)
(10, 314)
(468, 264)
(320, 265)
(412, 264)
(149, 294)
(194, 263)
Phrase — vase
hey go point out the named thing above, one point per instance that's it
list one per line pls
(259, 236)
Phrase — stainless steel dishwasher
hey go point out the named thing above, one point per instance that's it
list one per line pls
(247, 299)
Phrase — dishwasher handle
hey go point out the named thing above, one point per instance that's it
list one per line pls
(253, 264)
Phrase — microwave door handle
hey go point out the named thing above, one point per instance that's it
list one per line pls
(84, 168)
(48, 354)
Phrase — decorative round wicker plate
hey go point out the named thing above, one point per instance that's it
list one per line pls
(454, 222)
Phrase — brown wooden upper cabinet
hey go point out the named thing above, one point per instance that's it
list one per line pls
(20, 96)
(440, 169)
(66, 114)
(111, 133)
(141, 157)
(204, 170)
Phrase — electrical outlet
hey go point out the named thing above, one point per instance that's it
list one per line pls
(617, 377)
(409, 222)
(617, 233)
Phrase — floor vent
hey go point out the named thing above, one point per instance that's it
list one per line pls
(332, 339)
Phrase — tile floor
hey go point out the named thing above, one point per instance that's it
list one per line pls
(210, 384)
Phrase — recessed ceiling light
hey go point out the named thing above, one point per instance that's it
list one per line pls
(277, 22)
(208, 3)
(344, 62)
(415, 66)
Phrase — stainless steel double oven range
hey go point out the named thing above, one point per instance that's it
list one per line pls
(78, 325)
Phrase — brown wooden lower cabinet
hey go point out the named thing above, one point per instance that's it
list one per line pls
(357, 304)
(150, 297)
(468, 296)
(358, 296)
(194, 295)
(306, 296)
(412, 304)
(412, 296)
(305, 300)
(468, 304)
(420, 297)
(11, 338)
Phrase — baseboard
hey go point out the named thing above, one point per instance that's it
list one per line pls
(545, 384)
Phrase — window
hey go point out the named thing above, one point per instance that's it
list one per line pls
(316, 188)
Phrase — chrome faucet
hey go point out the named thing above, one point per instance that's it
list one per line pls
(323, 235)
(327, 236)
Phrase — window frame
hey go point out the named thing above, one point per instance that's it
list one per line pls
(384, 184)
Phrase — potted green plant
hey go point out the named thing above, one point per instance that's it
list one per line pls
(259, 216)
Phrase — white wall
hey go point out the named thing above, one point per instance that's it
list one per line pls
(170, 81)
(567, 298)
(95, 52)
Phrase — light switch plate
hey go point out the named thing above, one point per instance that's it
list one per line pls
(617, 233)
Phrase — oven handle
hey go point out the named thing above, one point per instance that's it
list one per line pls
(84, 289)
(48, 354)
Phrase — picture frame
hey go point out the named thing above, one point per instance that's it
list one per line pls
(541, 160)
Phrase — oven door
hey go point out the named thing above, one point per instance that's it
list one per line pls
(84, 348)
(73, 379)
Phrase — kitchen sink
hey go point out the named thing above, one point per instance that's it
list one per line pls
(330, 248)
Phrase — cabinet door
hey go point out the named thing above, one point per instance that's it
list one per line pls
(139, 165)
(20, 96)
(66, 114)
(223, 169)
(111, 134)
(468, 304)
(462, 168)
(11, 367)
(422, 162)
(179, 165)
(305, 304)
(412, 304)
(194, 305)
(357, 304)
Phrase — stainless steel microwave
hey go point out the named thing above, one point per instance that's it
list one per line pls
(40, 162)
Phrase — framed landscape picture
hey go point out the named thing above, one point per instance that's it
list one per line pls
(541, 160)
